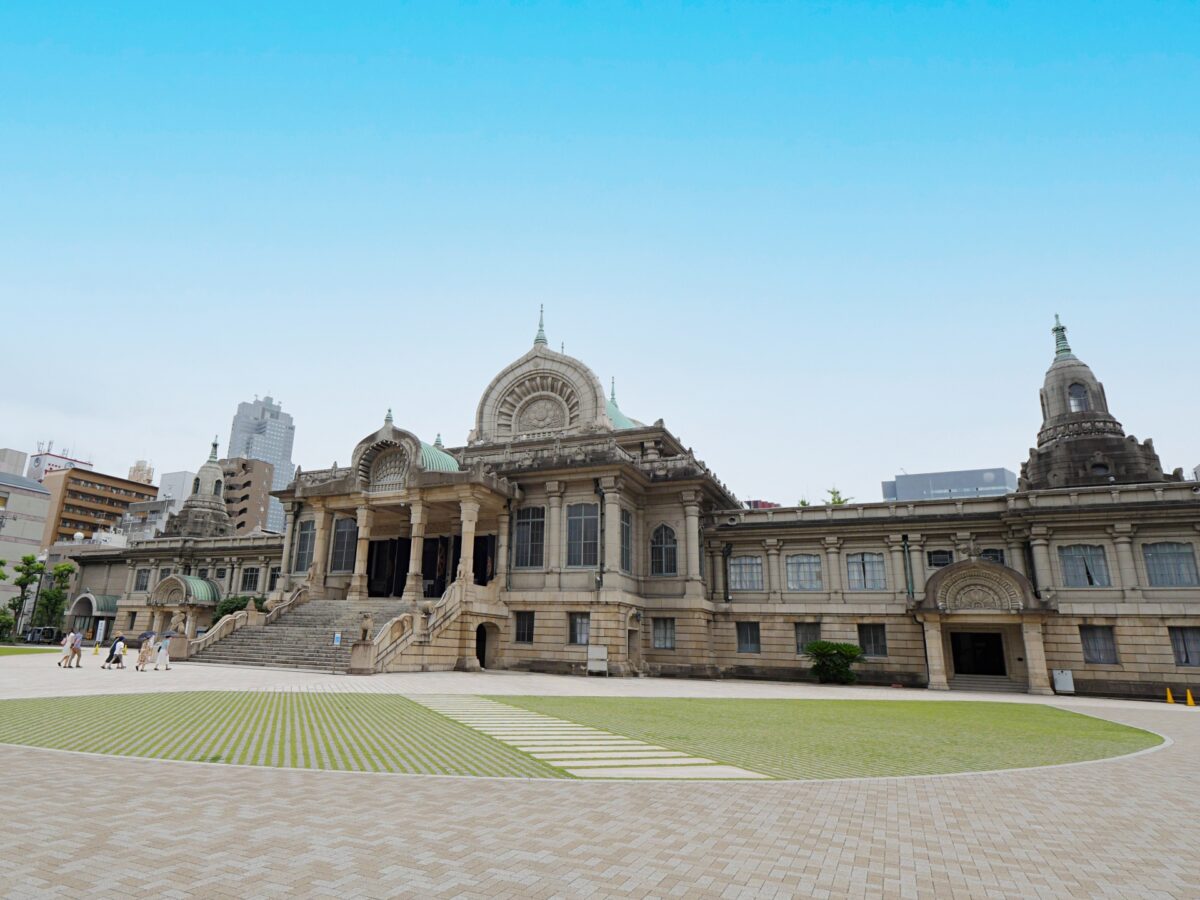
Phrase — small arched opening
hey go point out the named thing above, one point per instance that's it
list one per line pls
(487, 645)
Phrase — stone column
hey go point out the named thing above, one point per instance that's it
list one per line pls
(774, 581)
(916, 556)
(720, 590)
(691, 518)
(612, 530)
(937, 659)
(1122, 535)
(1035, 658)
(190, 626)
(320, 563)
(1043, 574)
(362, 552)
(414, 587)
(469, 512)
(833, 562)
(553, 560)
(899, 578)
(1014, 555)
(502, 550)
(289, 531)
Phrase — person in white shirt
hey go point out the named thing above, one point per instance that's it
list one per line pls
(67, 642)
(164, 656)
(119, 654)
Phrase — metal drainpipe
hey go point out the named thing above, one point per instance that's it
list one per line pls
(508, 546)
(908, 570)
(726, 552)
(599, 582)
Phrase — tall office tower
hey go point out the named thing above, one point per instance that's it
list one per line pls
(262, 430)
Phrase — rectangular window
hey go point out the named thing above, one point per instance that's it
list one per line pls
(807, 633)
(141, 581)
(250, 579)
(583, 535)
(221, 573)
(993, 554)
(1186, 644)
(804, 572)
(939, 558)
(1171, 564)
(524, 622)
(746, 573)
(164, 573)
(306, 535)
(530, 534)
(345, 543)
(1099, 645)
(664, 634)
(748, 639)
(273, 578)
(864, 572)
(1084, 565)
(132, 621)
(202, 573)
(579, 624)
(626, 541)
(873, 639)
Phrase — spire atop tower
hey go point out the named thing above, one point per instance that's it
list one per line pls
(1062, 350)
(212, 454)
(387, 420)
(613, 396)
(437, 442)
(541, 332)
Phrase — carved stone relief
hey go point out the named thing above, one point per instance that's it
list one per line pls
(976, 590)
(541, 402)
(390, 470)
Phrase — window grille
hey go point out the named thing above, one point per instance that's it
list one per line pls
(1099, 646)
(530, 538)
(807, 633)
(748, 638)
(583, 535)
(664, 634)
(873, 639)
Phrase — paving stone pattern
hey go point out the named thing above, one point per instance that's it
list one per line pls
(577, 749)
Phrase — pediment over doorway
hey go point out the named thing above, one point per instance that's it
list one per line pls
(978, 586)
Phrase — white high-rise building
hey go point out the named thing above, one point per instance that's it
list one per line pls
(177, 486)
(262, 430)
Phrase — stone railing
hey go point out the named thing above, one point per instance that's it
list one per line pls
(299, 597)
(401, 632)
(227, 626)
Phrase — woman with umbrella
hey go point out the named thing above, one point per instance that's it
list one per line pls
(143, 657)
(164, 656)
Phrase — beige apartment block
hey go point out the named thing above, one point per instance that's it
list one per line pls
(85, 501)
(247, 492)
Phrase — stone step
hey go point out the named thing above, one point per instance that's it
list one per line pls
(996, 683)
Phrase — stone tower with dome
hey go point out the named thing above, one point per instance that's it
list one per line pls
(203, 514)
(1080, 443)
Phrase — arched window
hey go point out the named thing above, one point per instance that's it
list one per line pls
(663, 551)
(196, 485)
(217, 488)
(1077, 398)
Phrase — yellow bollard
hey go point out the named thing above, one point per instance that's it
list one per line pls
(1190, 701)
(1170, 699)
(96, 649)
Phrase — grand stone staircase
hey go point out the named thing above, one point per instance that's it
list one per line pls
(303, 638)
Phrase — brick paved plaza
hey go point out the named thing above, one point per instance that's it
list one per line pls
(84, 823)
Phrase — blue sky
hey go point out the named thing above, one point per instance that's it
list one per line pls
(823, 241)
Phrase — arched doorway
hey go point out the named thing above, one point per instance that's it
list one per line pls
(487, 639)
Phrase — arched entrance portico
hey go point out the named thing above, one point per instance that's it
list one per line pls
(93, 614)
(982, 621)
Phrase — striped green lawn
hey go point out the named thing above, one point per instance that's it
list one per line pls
(853, 738)
(17, 651)
(346, 732)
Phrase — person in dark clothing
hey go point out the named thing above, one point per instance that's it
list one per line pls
(112, 650)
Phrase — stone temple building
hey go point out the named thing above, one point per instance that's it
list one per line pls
(567, 536)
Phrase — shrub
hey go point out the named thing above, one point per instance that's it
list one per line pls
(231, 605)
(832, 662)
(6, 624)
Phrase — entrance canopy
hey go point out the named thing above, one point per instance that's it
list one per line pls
(95, 605)
(185, 590)
(976, 586)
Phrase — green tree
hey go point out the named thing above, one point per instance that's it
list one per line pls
(53, 599)
(28, 570)
(832, 662)
(835, 498)
(6, 623)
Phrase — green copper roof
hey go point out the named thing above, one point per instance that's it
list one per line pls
(1062, 350)
(619, 419)
(200, 590)
(104, 604)
(541, 332)
(435, 460)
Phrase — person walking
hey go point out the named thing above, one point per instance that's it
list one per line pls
(144, 654)
(66, 648)
(119, 653)
(112, 648)
(164, 655)
(76, 650)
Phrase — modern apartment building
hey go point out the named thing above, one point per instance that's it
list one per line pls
(950, 485)
(46, 460)
(176, 486)
(142, 472)
(85, 501)
(248, 485)
(23, 507)
(262, 430)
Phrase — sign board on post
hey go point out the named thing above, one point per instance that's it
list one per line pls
(100, 631)
(337, 639)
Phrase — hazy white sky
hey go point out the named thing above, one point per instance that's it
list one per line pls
(823, 243)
